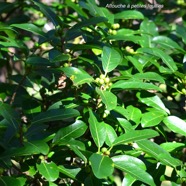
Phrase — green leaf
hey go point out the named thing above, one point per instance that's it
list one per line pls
(97, 130)
(152, 118)
(49, 170)
(75, 149)
(10, 115)
(175, 124)
(161, 54)
(7, 180)
(38, 61)
(136, 63)
(158, 152)
(48, 13)
(153, 101)
(30, 28)
(102, 166)
(84, 23)
(77, 75)
(70, 172)
(134, 114)
(149, 76)
(77, 8)
(29, 148)
(133, 166)
(166, 42)
(129, 14)
(111, 58)
(110, 135)
(180, 31)
(149, 28)
(172, 146)
(108, 98)
(135, 135)
(60, 58)
(54, 115)
(75, 130)
(134, 84)
(128, 180)
(125, 124)
(12, 122)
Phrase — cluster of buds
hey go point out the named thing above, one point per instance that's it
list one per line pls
(103, 81)
(113, 30)
(130, 50)
(105, 151)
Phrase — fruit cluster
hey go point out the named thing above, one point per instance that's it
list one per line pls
(130, 50)
(113, 30)
(105, 151)
(103, 81)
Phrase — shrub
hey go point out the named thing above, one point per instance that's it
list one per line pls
(92, 95)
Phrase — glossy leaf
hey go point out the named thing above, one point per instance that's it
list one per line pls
(102, 166)
(38, 61)
(97, 130)
(77, 8)
(134, 114)
(167, 43)
(128, 180)
(30, 28)
(49, 170)
(176, 124)
(60, 58)
(88, 22)
(77, 75)
(125, 124)
(135, 135)
(149, 76)
(148, 27)
(158, 152)
(133, 166)
(134, 84)
(180, 31)
(161, 54)
(75, 130)
(10, 115)
(7, 180)
(129, 14)
(54, 115)
(48, 13)
(108, 98)
(172, 146)
(136, 63)
(152, 118)
(29, 148)
(70, 172)
(110, 135)
(111, 58)
(153, 101)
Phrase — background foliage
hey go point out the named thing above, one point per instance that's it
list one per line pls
(92, 95)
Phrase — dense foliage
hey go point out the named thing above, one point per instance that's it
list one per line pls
(93, 95)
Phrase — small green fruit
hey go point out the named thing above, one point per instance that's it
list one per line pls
(183, 91)
(101, 81)
(66, 65)
(107, 80)
(24, 128)
(17, 135)
(97, 80)
(103, 149)
(107, 153)
(25, 139)
(102, 76)
(114, 32)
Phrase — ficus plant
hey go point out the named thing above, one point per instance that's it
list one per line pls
(91, 95)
